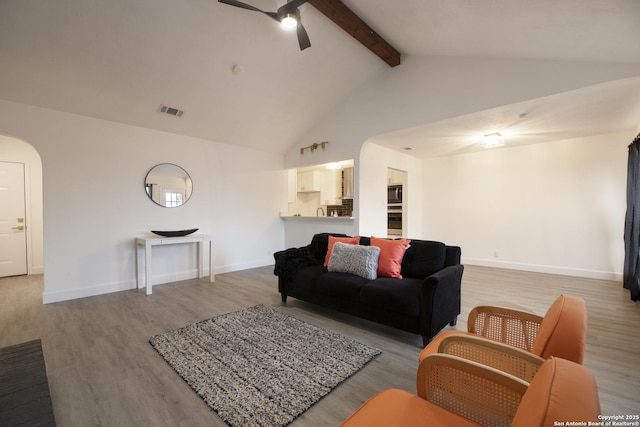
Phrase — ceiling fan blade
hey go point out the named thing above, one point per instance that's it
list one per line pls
(241, 5)
(291, 7)
(293, 4)
(303, 37)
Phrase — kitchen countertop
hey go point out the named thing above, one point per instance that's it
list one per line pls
(300, 217)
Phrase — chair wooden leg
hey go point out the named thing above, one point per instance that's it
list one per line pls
(283, 296)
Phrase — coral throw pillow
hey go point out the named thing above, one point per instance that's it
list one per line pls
(333, 240)
(391, 254)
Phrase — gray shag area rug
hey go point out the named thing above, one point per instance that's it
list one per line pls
(259, 367)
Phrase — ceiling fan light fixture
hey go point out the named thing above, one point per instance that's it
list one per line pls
(289, 20)
(492, 140)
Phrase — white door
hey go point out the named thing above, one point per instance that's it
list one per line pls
(13, 235)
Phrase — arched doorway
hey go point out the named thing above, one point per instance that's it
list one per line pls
(21, 160)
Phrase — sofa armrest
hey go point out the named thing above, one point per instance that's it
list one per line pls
(477, 392)
(449, 277)
(440, 300)
(452, 255)
(506, 325)
(514, 361)
(289, 261)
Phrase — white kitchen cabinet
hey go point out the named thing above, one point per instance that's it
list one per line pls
(395, 176)
(308, 181)
(346, 183)
(330, 188)
(292, 180)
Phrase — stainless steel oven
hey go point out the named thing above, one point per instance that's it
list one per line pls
(394, 220)
(394, 210)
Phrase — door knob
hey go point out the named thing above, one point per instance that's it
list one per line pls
(20, 227)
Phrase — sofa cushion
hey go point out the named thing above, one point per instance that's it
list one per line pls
(400, 296)
(306, 277)
(391, 254)
(423, 258)
(359, 260)
(319, 243)
(365, 241)
(332, 241)
(344, 285)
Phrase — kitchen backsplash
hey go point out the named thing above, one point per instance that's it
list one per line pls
(345, 209)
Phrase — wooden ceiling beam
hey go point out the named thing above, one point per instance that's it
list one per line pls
(343, 17)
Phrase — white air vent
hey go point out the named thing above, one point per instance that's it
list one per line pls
(170, 111)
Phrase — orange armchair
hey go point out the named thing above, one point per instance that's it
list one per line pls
(456, 392)
(505, 358)
(562, 332)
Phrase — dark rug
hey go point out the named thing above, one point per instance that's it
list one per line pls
(24, 388)
(259, 367)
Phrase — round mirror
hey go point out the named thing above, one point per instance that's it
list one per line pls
(168, 185)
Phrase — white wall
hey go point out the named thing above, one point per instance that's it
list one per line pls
(15, 150)
(372, 191)
(426, 89)
(557, 207)
(370, 199)
(300, 230)
(95, 204)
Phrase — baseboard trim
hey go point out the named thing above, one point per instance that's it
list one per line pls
(230, 268)
(563, 271)
(36, 270)
(176, 276)
(90, 291)
(107, 288)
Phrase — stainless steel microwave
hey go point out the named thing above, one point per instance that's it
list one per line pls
(394, 194)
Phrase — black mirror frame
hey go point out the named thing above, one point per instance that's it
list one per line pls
(181, 173)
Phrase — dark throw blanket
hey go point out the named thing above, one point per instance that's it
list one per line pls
(289, 261)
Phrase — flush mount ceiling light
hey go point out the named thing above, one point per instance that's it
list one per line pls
(492, 140)
(333, 166)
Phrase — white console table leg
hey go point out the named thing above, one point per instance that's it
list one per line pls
(212, 277)
(143, 273)
(147, 268)
(200, 245)
(139, 277)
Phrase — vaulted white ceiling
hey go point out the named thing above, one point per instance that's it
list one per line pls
(120, 60)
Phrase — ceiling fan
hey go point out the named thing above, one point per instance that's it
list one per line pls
(287, 15)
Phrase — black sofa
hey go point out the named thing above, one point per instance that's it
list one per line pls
(424, 301)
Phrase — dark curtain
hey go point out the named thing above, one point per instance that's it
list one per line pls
(631, 274)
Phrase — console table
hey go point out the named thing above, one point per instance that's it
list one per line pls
(143, 275)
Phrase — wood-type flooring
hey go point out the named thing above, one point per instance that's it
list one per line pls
(103, 372)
